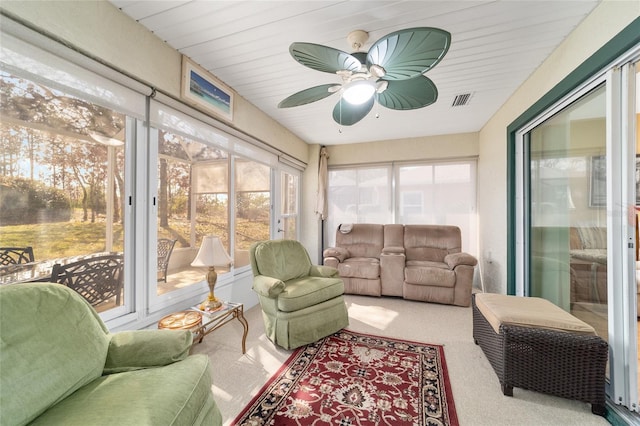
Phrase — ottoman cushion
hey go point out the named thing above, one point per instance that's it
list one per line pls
(529, 312)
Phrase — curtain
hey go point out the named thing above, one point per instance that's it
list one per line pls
(321, 196)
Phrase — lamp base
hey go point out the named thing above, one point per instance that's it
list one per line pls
(211, 304)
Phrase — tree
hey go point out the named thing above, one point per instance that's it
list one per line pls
(61, 136)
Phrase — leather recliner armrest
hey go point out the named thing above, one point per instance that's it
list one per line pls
(339, 253)
(455, 259)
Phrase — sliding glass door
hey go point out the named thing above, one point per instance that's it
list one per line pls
(577, 196)
(568, 226)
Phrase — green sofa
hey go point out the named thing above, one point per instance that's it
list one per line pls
(59, 365)
(301, 303)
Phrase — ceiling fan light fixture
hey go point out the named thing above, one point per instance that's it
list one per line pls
(359, 91)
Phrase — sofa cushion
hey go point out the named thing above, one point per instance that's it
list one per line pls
(429, 273)
(303, 292)
(173, 395)
(32, 316)
(427, 264)
(363, 240)
(431, 242)
(360, 267)
(432, 254)
(282, 259)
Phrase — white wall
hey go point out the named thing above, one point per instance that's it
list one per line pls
(607, 20)
(428, 147)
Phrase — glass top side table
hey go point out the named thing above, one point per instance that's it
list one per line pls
(212, 321)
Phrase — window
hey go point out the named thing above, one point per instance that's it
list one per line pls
(85, 170)
(252, 207)
(411, 204)
(357, 195)
(62, 180)
(288, 225)
(208, 182)
(439, 194)
(442, 193)
(193, 193)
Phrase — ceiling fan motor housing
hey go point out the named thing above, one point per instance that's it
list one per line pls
(357, 39)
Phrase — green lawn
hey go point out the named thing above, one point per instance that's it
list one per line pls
(61, 239)
(65, 239)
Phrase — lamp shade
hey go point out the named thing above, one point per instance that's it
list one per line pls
(211, 253)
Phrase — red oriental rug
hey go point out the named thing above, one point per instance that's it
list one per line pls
(350, 378)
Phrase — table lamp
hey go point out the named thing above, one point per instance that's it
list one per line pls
(211, 254)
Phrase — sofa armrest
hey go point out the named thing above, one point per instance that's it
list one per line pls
(323, 271)
(267, 286)
(139, 349)
(455, 259)
(393, 250)
(339, 253)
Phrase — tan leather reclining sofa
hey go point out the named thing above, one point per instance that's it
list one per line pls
(416, 262)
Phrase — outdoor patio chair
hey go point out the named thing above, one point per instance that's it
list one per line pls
(15, 255)
(98, 279)
(165, 247)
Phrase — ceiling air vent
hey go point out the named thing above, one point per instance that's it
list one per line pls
(461, 100)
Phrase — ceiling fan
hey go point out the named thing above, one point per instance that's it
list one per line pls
(389, 73)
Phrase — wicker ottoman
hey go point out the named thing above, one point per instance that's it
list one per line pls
(533, 344)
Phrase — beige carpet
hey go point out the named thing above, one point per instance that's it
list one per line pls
(476, 390)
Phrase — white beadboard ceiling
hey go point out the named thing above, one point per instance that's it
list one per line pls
(495, 47)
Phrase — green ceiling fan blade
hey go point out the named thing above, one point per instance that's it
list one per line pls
(417, 92)
(307, 96)
(347, 114)
(407, 53)
(323, 58)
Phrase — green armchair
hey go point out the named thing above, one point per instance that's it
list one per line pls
(301, 303)
(59, 365)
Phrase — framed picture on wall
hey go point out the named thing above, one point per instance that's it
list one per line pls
(598, 182)
(201, 89)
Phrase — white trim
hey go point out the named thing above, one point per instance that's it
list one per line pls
(292, 162)
(617, 375)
